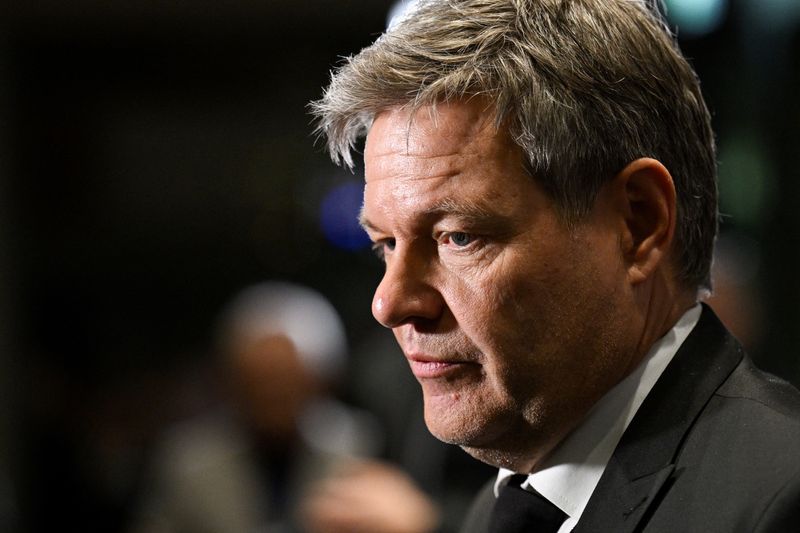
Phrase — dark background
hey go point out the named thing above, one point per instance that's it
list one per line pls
(158, 156)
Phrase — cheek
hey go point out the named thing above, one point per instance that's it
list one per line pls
(527, 290)
(531, 297)
(528, 312)
(498, 311)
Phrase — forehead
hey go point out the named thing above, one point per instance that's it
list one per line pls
(451, 159)
(433, 130)
(442, 141)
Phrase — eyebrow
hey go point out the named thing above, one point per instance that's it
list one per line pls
(463, 209)
(364, 223)
(473, 212)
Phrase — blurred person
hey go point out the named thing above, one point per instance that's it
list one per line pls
(541, 185)
(737, 298)
(248, 465)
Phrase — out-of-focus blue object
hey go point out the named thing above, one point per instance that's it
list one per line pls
(339, 216)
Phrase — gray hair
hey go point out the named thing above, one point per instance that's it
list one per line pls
(583, 86)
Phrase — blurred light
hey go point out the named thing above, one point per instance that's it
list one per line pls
(339, 216)
(746, 180)
(696, 17)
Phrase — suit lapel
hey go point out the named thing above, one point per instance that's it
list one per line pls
(643, 462)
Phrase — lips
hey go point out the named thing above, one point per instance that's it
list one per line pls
(424, 367)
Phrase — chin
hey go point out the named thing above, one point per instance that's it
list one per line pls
(454, 429)
(497, 439)
(466, 429)
(512, 460)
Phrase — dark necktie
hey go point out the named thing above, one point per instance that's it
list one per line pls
(518, 510)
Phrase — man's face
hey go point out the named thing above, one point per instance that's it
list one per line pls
(507, 317)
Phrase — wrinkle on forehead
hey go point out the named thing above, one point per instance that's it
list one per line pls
(465, 209)
(427, 167)
(407, 132)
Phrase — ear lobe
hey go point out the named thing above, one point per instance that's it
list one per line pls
(648, 197)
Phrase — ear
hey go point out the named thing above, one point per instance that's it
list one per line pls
(646, 196)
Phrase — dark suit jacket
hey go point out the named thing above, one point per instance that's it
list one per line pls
(715, 447)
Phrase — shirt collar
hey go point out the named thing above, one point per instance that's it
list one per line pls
(571, 473)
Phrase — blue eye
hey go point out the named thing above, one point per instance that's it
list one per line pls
(460, 238)
(380, 248)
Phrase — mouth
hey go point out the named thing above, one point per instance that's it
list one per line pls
(426, 367)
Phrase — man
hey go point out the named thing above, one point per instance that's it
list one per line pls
(540, 181)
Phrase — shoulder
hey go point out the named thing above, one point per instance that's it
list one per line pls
(750, 414)
(740, 462)
(731, 396)
(752, 419)
(749, 384)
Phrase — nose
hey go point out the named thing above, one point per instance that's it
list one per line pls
(406, 293)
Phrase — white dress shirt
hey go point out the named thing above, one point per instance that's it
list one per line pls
(571, 473)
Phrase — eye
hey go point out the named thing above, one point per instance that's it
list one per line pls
(461, 239)
(381, 247)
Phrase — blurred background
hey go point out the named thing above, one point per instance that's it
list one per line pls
(156, 157)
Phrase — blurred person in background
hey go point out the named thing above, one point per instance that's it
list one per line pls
(250, 464)
(541, 185)
(737, 298)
